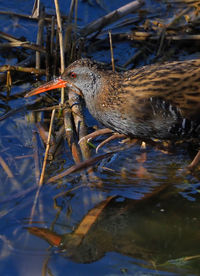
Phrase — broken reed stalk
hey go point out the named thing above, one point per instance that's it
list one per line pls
(133, 58)
(71, 139)
(22, 44)
(52, 35)
(26, 162)
(73, 41)
(45, 266)
(22, 69)
(44, 134)
(75, 151)
(43, 168)
(9, 37)
(30, 17)
(162, 38)
(36, 157)
(81, 130)
(9, 173)
(55, 56)
(18, 109)
(39, 37)
(68, 29)
(177, 17)
(29, 61)
(111, 17)
(62, 59)
(177, 37)
(8, 83)
(111, 51)
(143, 36)
(75, 17)
(59, 137)
(71, 11)
(80, 126)
(14, 14)
(80, 166)
(47, 149)
(18, 43)
(63, 194)
(48, 55)
(194, 163)
(49, 108)
(36, 9)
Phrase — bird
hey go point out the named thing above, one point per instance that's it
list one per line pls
(158, 101)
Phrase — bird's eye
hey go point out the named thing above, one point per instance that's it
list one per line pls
(73, 75)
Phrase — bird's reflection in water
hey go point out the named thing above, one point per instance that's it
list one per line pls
(155, 229)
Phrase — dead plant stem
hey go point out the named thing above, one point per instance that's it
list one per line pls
(111, 51)
(47, 148)
(39, 38)
(62, 60)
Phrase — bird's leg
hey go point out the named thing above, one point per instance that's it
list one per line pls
(114, 136)
(141, 159)
(96, 133)
(194, 162)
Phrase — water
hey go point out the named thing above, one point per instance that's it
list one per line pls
(150, 221)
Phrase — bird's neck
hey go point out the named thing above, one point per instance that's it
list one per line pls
(100, 91)
(91, 91)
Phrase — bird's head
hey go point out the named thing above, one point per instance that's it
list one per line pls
(82, 76)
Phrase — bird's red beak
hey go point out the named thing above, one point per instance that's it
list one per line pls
(54, 84)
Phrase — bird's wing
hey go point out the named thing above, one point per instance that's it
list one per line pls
(176, 84)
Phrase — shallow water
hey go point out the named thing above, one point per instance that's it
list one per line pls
(150, 222)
